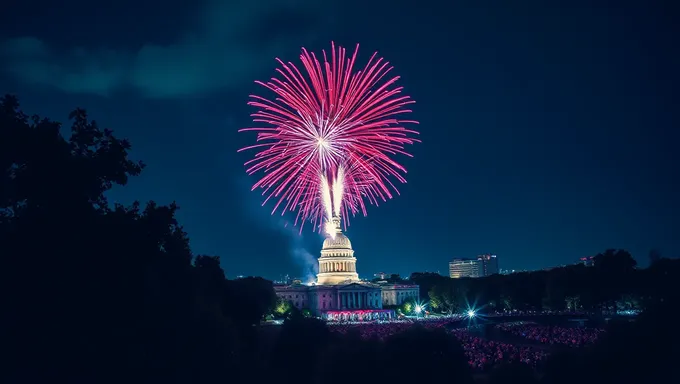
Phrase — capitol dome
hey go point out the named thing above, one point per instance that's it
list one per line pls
(337, 264)
(340, 241)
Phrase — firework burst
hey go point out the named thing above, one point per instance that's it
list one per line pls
(330, 137)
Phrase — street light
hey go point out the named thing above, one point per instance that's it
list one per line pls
(418, 310)
(470, 313)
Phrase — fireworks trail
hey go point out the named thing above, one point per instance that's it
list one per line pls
(329, 136)
(338, 190)
(326, 202)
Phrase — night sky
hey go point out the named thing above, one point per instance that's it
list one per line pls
(550, 132)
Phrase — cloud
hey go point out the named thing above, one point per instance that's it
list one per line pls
(298, 244)
(308, 263)
(232, 40)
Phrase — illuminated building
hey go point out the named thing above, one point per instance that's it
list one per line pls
(338, 293)
(464, 268)
(337, 263)
(488, 264)
(397, 294)
(483, 265)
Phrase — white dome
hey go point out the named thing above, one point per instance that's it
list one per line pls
(339, 242)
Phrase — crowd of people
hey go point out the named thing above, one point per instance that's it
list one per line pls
(482, 354)
(516, 312)
(573, 337)
(373, 330)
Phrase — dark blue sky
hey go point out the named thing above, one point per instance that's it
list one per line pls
(550, 129)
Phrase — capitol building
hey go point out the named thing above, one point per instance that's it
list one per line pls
(339, 294)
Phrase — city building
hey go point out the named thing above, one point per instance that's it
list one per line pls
(488, 264)
(338, 294)
(464, 268)
(397, 294)
(587, 261)
(483, 265)
(511, 271)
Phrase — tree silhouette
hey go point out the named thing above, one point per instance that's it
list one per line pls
(101, 293)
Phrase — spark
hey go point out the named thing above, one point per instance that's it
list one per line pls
(329, 119)
(338, 190)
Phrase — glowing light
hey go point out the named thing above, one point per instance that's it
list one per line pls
(418, 309)
(338, 191)
(470, 313)
(327, 202)
(332, 127)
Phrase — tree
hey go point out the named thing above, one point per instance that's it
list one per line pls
(615, 269)
(282, 308)
(249, 299)
(102, 293)
(78, 170)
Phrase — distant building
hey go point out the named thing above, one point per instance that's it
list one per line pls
(464, 268)
(587, 261)
(488, 264)
(283, 280)
(381, 275)
(483, 265)
(511, 271)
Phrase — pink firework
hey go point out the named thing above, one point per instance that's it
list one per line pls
(329, 125)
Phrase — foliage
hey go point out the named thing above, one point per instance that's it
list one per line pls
(104, 292)
(407, 308)
(282, 308)
(612, 283)
(99, 293)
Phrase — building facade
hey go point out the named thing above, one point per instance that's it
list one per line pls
(464, 268)
(338, 294)
(483, 265)
(397, 294)
(488, 264)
